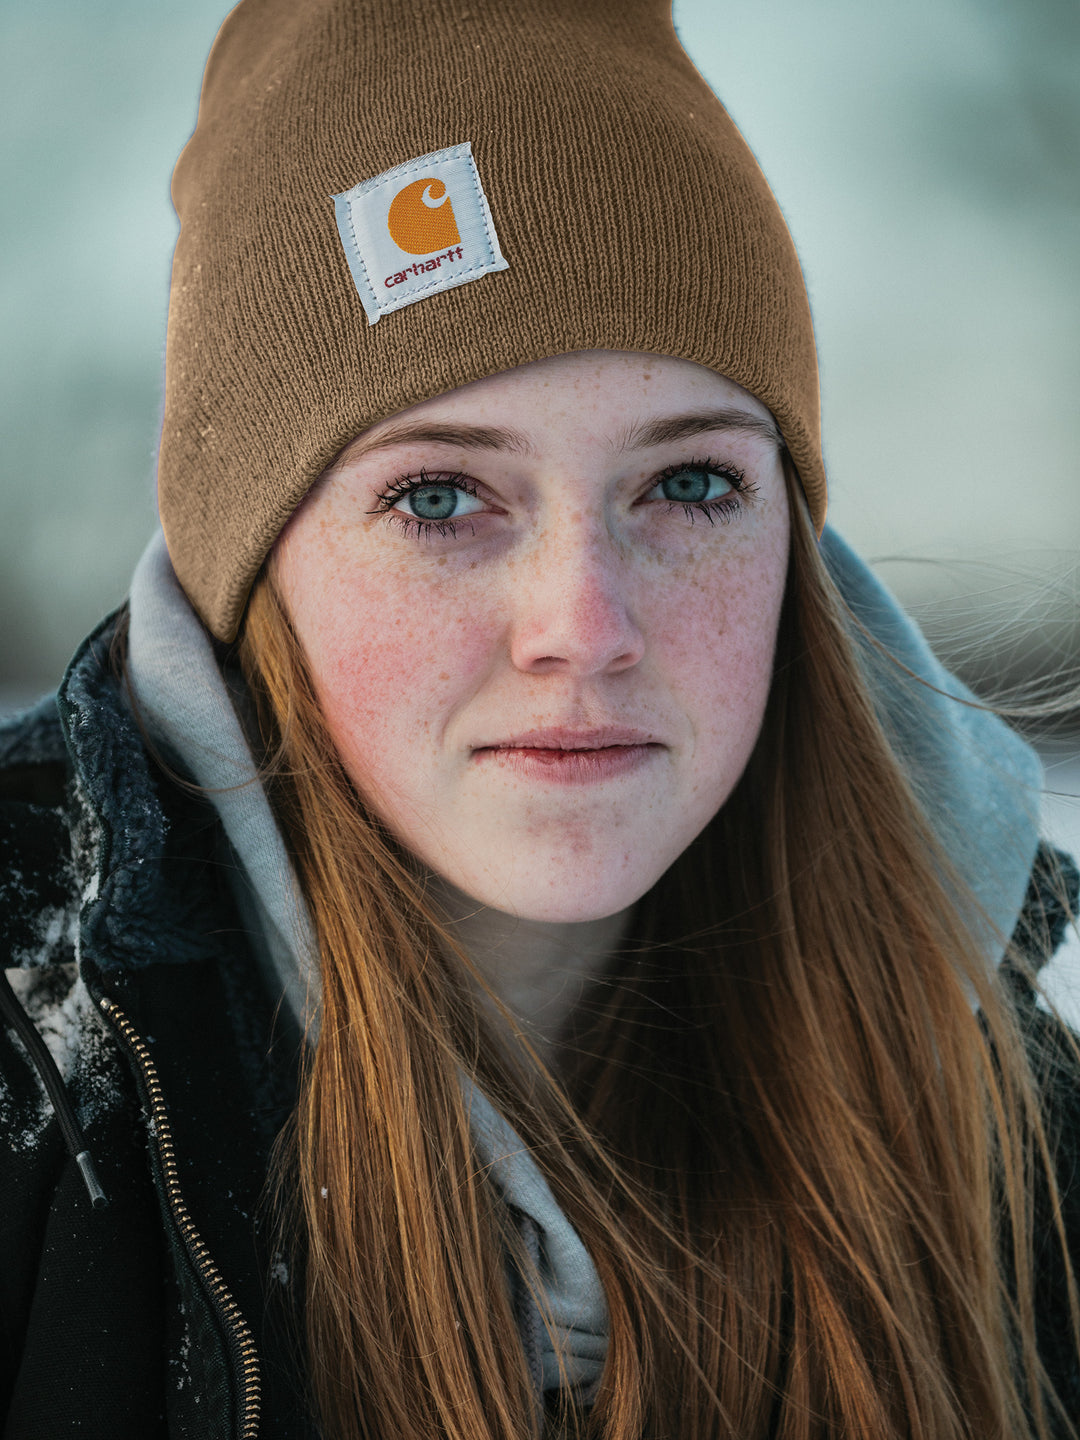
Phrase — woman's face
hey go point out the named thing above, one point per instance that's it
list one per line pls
(540, 614)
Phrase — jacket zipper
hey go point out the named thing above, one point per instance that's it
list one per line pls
(241, 1342)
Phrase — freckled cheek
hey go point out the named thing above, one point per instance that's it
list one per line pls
(715, 638)
(388, 673)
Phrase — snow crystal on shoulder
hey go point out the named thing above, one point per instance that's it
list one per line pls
(61, 1010)
(55, 933)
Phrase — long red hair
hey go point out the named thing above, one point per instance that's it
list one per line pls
(801, 1162)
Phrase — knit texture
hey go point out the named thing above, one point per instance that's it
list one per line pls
(630, 211)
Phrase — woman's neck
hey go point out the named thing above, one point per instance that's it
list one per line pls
(537, 969)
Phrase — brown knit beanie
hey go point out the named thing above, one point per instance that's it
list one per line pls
(560, 178)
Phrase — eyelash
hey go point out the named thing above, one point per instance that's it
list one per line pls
(406, 485)
(724, 508)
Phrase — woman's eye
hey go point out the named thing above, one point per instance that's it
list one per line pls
(692, 485)
(437, 504)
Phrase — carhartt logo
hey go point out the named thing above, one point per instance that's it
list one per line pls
(421, 218)
(434, 209)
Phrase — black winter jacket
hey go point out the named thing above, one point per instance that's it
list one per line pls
(168, 1312)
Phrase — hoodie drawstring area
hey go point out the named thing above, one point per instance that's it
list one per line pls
(53, 1081)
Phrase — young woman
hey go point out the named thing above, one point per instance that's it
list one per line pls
(510, 929)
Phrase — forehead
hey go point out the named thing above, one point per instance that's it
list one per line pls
(612, 393)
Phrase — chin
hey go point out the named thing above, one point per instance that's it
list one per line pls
(560, 898)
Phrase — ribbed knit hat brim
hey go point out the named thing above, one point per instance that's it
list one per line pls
(631, 214)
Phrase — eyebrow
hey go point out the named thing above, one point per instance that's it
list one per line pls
(682, 427)
(663, 431)
(465, 437)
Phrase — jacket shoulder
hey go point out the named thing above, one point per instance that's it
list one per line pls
(1050, 905)
(34, 764)
(38, 892)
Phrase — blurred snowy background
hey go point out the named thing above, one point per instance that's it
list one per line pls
(924, 152)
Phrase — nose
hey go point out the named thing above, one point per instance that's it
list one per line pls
(572, 611)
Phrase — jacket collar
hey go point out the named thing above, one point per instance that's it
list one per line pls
(97, 846)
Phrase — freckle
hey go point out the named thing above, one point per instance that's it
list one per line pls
(442, 559)
(444, 676)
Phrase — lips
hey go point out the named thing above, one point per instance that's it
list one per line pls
(571, 755)
(600, 737)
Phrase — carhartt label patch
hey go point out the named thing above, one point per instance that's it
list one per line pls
(420, 228)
